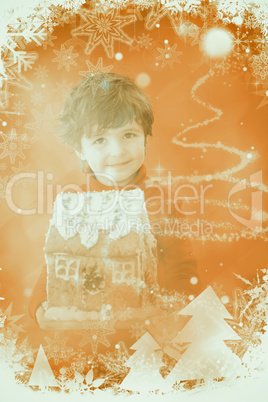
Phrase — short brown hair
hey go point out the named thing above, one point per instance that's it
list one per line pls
(107, 99)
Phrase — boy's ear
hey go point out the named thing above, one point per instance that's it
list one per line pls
(146, 141)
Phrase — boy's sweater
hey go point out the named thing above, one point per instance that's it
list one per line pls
(176, 264)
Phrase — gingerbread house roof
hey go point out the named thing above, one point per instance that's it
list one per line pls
(93, 223)
(127, 245)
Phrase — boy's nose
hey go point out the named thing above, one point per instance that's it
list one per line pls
(116, 148)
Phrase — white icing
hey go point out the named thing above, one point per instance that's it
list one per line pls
(85, 213)
(65, 313)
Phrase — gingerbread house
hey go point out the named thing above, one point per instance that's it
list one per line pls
(100, 252)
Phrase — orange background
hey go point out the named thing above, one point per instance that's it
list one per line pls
(23, 237)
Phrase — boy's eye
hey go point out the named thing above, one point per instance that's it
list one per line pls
(129, 135)
(99, 141)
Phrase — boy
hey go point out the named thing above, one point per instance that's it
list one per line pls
(107, 120)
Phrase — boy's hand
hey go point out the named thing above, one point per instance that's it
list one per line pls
(49, 323)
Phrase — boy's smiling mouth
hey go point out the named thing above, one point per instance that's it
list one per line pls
(118, 164)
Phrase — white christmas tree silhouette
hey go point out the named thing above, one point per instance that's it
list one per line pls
(256, 357)
(144, 363)
(207, 357)
(42, 374)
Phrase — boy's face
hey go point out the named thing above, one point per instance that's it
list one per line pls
(116, 155)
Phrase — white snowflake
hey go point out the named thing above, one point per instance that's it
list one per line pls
(47, 15)
(65, 58)
(240, 41)
(192, 6)
(19, 108)
(37, 98)
(173, 5)
(13, 76)
(31, 32)
(209, 15)
(260, 65)
(251, 22)
(57, 350)
(181, 5)
(95, 332)
(73, 5)
(261, 17)
(49, 41)
(24, 59)
(168, 55)
(232, 7)
(18, 123)
(62, 89)
(15, 34)
(44, 123)
(137, 330)
(144, 40)
(99, 67)
(41, 72)
(259, 41)
(103, 29)
(13, 145)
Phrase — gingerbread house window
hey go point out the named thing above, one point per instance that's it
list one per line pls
(66, 267)
(123, 272)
